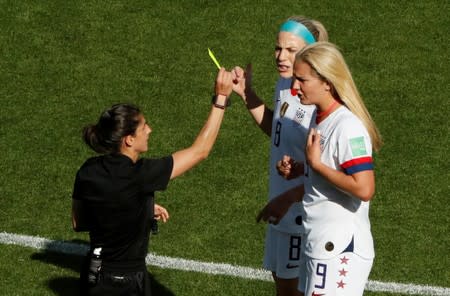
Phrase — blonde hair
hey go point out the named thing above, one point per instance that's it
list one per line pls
(327, 61)
(316, 28)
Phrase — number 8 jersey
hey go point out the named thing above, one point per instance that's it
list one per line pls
(290, 126)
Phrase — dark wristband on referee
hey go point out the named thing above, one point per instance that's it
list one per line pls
(214, 102)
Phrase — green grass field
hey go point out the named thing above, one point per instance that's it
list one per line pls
(63, 62)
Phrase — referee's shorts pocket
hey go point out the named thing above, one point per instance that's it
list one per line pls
(125, 281)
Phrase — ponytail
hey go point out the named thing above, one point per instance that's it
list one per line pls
(92, 138)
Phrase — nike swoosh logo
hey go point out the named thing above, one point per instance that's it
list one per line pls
(289, 266)
(314, 294)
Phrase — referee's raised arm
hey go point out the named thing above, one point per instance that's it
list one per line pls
(185, 159)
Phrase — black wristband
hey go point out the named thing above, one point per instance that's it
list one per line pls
(214, 102)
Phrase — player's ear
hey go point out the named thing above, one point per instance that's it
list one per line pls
(328, 86)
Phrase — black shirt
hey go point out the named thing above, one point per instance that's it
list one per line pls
(117, 198)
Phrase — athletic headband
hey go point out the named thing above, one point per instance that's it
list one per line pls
(298, 29)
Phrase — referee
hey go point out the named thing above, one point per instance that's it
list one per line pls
(113, 196)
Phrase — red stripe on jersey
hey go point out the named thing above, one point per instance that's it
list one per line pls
(356, 161)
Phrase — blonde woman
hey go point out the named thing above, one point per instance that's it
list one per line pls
(339, 176)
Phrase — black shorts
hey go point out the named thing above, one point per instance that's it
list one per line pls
(117, 283)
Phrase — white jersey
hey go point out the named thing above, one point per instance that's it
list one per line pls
(334, 218)
(290, 127)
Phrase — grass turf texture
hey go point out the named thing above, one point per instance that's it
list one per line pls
(63, 62)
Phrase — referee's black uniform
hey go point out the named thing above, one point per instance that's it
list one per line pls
(118, 199)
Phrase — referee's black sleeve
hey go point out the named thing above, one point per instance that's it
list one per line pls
(155, 173)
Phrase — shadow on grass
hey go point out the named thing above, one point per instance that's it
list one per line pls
(70, 255)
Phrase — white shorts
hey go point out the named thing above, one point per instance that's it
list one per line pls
(282, 253)
(345, 274)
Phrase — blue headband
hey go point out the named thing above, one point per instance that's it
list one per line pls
(298, 29)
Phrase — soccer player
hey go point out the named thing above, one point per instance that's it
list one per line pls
(339, 177)
(113, 195)
(287, 125)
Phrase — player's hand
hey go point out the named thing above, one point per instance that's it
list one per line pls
(267, 214)
(224, 83)
(276, 208)
(242, 80)
(160, 213)
(312, 151)
(238, 81)
(272, 212)
(289, 169)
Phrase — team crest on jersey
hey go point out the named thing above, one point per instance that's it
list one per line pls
(283, 109)
(299, 115)
(322, 142)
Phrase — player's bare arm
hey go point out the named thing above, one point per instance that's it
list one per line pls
(242, 86)
(276, 208)
(360, 185)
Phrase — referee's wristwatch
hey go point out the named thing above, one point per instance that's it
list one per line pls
(214, 102)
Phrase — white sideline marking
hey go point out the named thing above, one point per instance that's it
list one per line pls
(205, 267)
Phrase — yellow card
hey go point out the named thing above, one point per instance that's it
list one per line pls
(213, 58)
